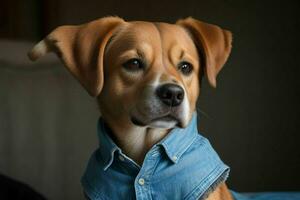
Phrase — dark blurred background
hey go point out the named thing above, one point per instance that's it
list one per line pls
(252, 118)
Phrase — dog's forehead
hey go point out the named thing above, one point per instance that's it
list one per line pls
(176, 38)
(172, 33)
(138, 31)
(157, 35)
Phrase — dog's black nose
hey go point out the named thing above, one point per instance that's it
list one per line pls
(170, 94)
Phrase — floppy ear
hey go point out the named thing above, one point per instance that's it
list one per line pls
(81, 49)
(213, 42)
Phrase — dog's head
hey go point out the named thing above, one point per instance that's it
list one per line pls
(143, 73)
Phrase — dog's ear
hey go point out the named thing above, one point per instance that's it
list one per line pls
(213, 42)
(81, 49)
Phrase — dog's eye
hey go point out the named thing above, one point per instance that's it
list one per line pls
(133, 64)
(185, 67)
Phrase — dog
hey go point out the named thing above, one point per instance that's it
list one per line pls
(146, 77)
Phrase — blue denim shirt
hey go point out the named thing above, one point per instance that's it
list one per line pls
(181, 166)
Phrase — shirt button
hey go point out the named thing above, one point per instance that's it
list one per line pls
(141, 181)
(174, 158)
(121, 158)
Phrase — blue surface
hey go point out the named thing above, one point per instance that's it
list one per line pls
(267, 196)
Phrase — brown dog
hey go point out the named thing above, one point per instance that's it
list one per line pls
(146, 76)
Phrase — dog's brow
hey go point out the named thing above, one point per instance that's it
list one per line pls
(140, 53)
(181, 54)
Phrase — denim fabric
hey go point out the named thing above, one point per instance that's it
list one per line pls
(267, 196)
(181, 166)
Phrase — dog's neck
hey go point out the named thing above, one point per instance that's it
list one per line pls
(134, 141)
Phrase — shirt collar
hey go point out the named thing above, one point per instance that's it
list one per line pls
(106, 144)
(174, 144)
(179, 140)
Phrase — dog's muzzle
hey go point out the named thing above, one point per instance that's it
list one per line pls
(164, 106)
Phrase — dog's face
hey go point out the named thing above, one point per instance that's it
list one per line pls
(151, 75)
(143, 73)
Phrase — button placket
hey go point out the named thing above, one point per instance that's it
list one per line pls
(144, 176)
(174, 158)
(141, 181)
(121, 158)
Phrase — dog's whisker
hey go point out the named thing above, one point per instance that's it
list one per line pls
(204, 113)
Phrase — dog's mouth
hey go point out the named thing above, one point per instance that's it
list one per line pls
(165, 118)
